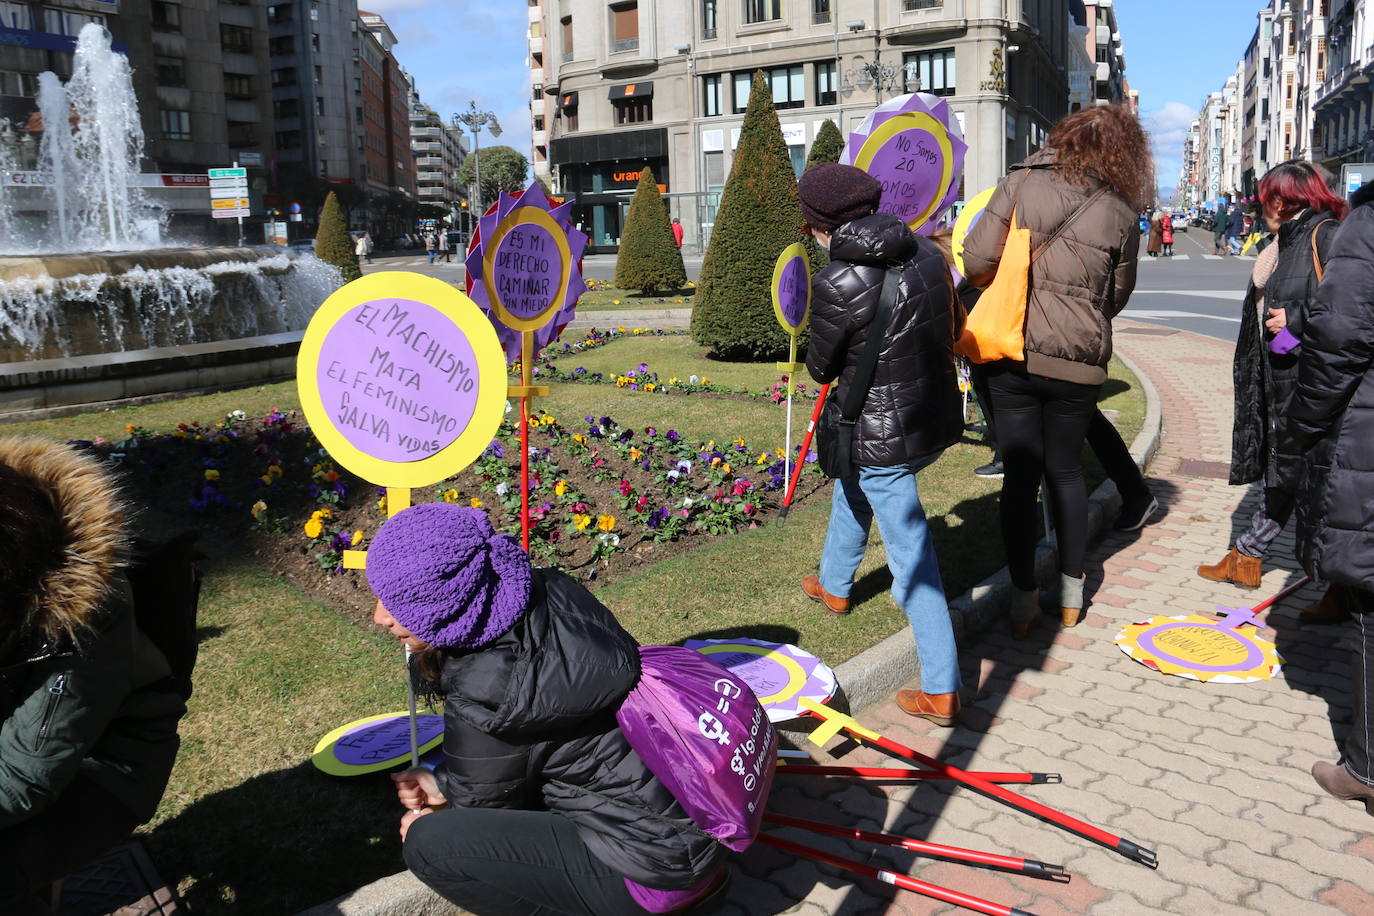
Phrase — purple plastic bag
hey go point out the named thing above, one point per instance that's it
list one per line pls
(701, 731)
(1285, 341)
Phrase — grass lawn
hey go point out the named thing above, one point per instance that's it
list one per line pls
(613, 298)
(248, 825)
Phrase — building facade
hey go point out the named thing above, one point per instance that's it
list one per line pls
(543, 105)
(439, 153)
(665, 84)
(1104, 43)
(1343, 107)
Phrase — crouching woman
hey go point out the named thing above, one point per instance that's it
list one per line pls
(539, 805)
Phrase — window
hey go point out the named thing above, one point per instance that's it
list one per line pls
(176, 125)
(315, 42)
(282, 44)
(238, 86)
(319, 105)
(625, 26)
(284, 77)
(1288, 92)
(319, 74)
(710, 96)
(929, 71)
(537, 91)
(538, 122)
(762, 10)
(279, 15)
(633, 111)
(170, 72)
(242, 133)
(742, 82)
(67, 22)
(820, 11)
(708, 18)
(20, 84)
(788, 86)
(166, 16)
(825, 83)
(570, 119)
(909, 5)
(288, 139)
(236, 38)
(286, 108)
(14, 16)
(566, 23)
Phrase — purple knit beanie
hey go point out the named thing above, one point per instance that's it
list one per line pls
(446, 576)
(833, 194)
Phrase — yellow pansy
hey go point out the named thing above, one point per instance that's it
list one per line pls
(636, 454)
(313, 528)
(274, 470)
(605, 522)
(450, 496)
(211, 474)
(560, 488)
(128, 429)
(581, 521)
(475, 503)
(356, 539)
(258, 509)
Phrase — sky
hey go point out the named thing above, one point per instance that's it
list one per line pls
(1177, 51)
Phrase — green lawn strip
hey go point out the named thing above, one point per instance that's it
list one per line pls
(248, 824)
(674, 357)
(613, 298)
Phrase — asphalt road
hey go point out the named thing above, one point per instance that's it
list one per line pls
(1194, 290)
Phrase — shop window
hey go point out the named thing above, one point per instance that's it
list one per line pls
(708, 18)
(625, 26)
(176, 125)
(762, 10)
(825, 83)
(929, 71)
(166, 16)
(633, 111)
(711, 96)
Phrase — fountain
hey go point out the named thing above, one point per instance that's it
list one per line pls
(83, 271)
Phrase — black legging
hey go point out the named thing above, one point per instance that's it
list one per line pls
(1041, 426)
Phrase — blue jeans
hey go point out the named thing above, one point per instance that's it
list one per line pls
(432, 255)
(892, 495)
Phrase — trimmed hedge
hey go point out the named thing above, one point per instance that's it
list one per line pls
(333, 245)
(827, 146)
(649, 259)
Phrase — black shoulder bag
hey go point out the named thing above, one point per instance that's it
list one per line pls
(835, 432)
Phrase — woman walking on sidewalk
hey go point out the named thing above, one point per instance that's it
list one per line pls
(1156, 244)
(1078, 198)
(1303, 214)
(1332, 417)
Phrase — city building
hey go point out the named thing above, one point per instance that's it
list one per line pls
(1343, 96)
(1082, 67)
(439, 153)
(391, 208)
(1104, 44)
(665, 84)
(543, 105)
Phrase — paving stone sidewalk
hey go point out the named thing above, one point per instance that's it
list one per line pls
(1214, 777)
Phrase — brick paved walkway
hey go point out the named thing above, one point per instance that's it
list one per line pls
(1213, 777)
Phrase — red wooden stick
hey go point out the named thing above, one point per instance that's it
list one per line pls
(970, 856)
(908, 773)
(801, 458)
(905, 882)
(525, 471)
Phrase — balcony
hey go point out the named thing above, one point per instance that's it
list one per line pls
(1104, 72)
(537, 45)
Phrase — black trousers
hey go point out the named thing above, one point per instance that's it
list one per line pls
(81, 825)
(503, 862)
(1359, 744)
(1042, 424)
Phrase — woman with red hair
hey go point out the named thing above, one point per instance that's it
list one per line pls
(1303, 216)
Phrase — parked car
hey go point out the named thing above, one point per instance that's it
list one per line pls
(1180, 222)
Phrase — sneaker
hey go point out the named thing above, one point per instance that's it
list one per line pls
(1135, 515)
(992, 470)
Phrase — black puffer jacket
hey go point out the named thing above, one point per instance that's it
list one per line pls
(913, 408)
(1260, 445)
(529, 723)
(1332, 411)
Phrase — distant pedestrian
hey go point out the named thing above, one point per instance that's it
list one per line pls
(431, 246)
(1283, 286)
(1219, 229)
(1235, 229)
(363, 247)
(444, 247)
(1079, 197)
(1332, 419)
(1156, 244)
(677, 231)
(1166, 234)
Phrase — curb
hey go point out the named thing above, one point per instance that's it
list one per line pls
(868, 678)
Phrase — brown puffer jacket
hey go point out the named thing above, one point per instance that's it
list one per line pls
(1079, 281)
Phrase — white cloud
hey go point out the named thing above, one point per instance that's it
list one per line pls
(1168, 128)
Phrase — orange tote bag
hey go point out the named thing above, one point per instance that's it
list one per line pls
(996, 327)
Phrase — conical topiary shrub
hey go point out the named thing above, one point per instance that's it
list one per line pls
(827, 146)
(332, 242)
(649, 258)
(759, 216)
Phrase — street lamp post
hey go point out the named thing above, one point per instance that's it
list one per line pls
(475, 119)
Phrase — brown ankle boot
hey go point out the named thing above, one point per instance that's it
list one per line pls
(940, 708)
(1332, 608)
(1235, 567)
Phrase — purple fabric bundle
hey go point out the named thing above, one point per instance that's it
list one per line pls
(445, 575)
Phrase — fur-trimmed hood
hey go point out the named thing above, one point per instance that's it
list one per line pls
(95, 545)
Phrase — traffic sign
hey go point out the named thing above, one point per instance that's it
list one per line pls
(228, 173)
(228, 182)
(233, 190)
(224, 214)
(232, 203)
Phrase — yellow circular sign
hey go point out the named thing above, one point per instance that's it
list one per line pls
(792, 288)
(900, 124)
(518, 280)
(964, 225)
(402, 379)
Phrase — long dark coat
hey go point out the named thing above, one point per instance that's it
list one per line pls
(1332, 413)
(1261, 448)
